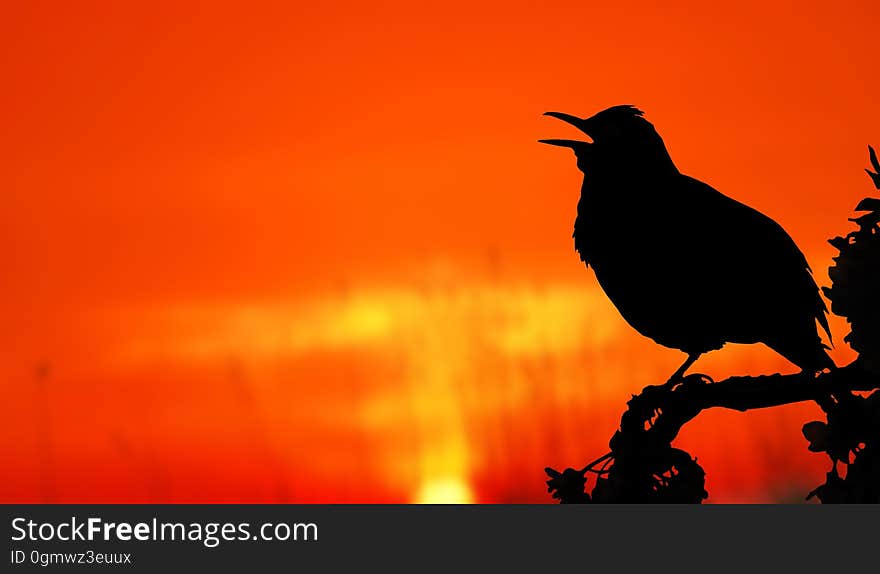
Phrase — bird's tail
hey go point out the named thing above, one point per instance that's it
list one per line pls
(808, 355)
(822, 318)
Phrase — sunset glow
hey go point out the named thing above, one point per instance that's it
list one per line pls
(445, 491)
(312, 252)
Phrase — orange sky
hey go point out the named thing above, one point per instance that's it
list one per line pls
(313, 252)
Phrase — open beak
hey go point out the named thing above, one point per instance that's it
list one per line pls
(575, 121)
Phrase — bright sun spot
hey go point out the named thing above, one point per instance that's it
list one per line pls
(445, 491)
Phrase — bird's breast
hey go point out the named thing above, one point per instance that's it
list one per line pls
(634, 246)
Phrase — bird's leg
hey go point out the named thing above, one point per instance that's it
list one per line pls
(679, 374)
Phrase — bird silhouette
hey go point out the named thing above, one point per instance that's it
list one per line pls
(684, 264)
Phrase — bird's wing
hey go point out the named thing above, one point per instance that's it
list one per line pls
(581, 245)
(581, 223)
(760, 254)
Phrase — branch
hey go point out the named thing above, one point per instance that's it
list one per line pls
(646, 468)
(665, 411)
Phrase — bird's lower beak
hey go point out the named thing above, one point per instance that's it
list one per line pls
(573, 144)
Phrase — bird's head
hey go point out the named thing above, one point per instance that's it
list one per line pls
(621, 135)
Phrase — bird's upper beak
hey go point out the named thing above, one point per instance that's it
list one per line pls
(577, 122)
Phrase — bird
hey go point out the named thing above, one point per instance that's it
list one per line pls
(684, 264)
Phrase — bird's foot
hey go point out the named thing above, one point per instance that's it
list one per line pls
(670, 384)
(693, 378)
(673, 382)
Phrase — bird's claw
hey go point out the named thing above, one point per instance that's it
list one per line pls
(691, 379)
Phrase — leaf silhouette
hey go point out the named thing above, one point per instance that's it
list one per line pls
(817, 433)
(868, 204)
